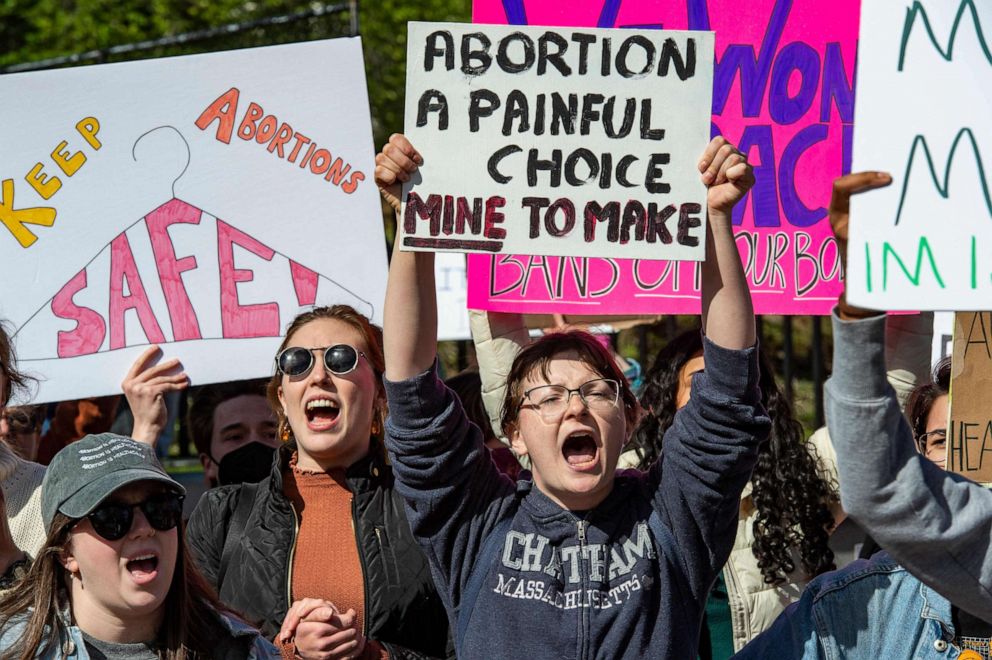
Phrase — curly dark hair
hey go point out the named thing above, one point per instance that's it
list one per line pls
(790, 496)
(922, 398)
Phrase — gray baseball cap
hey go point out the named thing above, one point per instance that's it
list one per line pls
(87, 471)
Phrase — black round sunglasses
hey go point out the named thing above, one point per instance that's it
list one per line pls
(339, 359)
(113, 520)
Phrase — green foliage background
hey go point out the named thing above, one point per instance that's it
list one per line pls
(34, 30)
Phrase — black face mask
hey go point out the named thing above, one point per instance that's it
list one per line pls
(248, 464)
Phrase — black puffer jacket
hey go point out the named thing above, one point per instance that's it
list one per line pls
(402, 609)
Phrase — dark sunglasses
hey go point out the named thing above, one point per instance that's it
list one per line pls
(114, 519)
(339, 359)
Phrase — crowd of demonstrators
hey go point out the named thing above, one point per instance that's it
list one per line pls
(577, 560)
(359, 507)
(875, 607)
(330, 494)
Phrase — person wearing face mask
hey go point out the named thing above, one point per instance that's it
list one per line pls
(575, 561)
(320, 551)
(234, 431)
(114, 578)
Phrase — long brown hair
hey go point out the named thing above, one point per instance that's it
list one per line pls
(11, 380)
(373, 340)
(191, 628)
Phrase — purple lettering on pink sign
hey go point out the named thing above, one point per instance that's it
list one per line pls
(784, 93)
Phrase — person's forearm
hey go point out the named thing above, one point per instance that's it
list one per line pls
(146, 433)
(410, 314)
(498, 337)
(908, 344)
(728, 316)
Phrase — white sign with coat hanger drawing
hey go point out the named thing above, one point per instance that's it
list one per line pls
(196, 202)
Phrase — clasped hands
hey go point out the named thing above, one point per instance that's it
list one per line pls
(320, 632)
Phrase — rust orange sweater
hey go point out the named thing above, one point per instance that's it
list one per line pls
(326, 563)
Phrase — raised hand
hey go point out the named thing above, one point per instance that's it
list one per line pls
(394, 166)
(145, 387)
(840, 200)
(726, 173)
(840, 216)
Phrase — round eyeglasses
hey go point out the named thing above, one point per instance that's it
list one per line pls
(551, 401)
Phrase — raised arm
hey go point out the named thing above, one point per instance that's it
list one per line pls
(936, 524)
(454, 494)
(498, 337)
(409, 330)
(712, 444)
(728, 317)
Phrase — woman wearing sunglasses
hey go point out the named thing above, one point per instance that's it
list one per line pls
(323, 544)
(114, 578)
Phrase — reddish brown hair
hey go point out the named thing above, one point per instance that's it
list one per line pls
(541, 353)
(371, 333)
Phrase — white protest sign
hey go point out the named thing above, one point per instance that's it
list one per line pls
(452, 297)
(922, 114)
(197, 202)
(557, 141)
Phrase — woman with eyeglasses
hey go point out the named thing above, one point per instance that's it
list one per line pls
(321, 551)
(114, 578)
(927, 410)
(576, 560)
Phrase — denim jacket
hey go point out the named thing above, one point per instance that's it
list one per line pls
(870, 609)
(71, 646)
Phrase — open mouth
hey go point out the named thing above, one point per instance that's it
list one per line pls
(321, 414)
(143, 568)
(580, 450)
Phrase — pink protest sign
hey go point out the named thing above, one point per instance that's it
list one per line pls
(783, 92)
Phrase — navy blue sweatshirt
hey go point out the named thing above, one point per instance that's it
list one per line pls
(617, 582)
